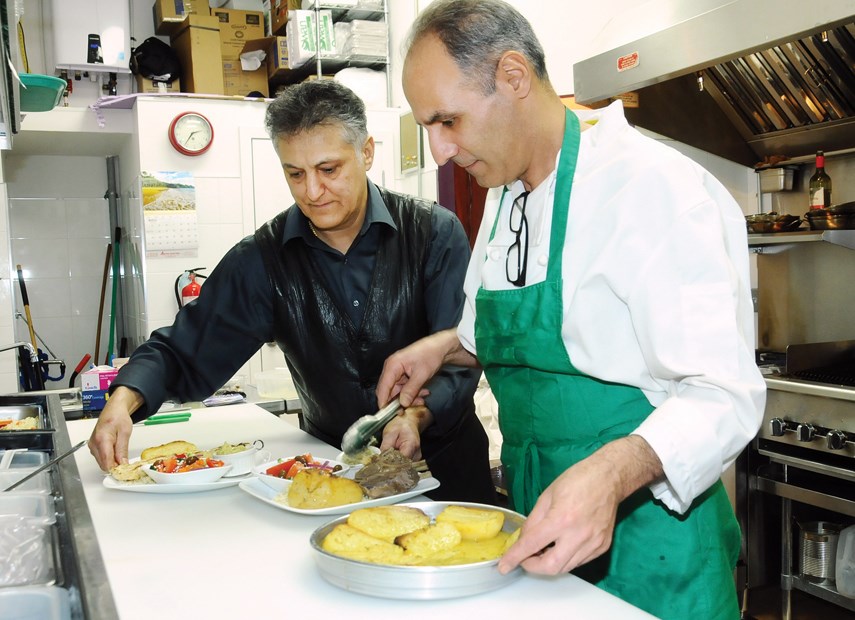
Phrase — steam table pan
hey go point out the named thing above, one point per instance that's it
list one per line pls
(414, 582)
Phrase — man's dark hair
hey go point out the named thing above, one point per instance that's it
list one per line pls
(476, 33)
(304, 106)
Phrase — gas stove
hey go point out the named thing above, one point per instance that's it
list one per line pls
(810, 407)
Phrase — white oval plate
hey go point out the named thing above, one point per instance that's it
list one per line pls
(112, 483)
(259, 490)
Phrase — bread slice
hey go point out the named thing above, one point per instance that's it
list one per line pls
(168, 449)
(473, 523)
(388, 522)
(349, 542)
(129, 472)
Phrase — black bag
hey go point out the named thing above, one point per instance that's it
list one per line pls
(155, 60)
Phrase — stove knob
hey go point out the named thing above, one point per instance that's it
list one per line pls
(805, 432)
(836, 440)
(779, 427)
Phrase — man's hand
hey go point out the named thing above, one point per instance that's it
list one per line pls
(109, 440)
(573, 520)
(404, 431)
(406, 371)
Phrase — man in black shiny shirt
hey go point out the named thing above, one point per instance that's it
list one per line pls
(346, 276)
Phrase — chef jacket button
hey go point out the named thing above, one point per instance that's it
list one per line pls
(355, 303)
(496, 255)
(542, 260)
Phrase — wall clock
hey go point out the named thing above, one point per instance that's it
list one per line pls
(190, 133)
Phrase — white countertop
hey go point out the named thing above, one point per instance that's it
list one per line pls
(225, 554)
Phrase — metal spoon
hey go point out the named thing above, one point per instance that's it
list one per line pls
(360, 432)
(46, 465)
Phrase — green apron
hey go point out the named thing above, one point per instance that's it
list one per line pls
(552, 416)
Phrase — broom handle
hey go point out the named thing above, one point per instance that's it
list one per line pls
(26, 301)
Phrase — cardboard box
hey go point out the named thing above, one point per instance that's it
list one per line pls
(236, 28)
(95, 385)
(238, 82)
(276, 50)
(305, 41)
(197, 44)
(168, 14)
(145, 85)
(279, 14)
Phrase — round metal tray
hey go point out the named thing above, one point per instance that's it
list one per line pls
(414, 582)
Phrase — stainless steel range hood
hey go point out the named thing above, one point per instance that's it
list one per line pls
(746, 80)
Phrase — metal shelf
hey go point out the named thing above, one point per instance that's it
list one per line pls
(780, 242)
(825, 591)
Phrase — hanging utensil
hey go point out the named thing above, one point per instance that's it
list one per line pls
(356, 438)
(50, 463)
(34, 377)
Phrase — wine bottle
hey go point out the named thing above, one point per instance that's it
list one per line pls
(820, 185)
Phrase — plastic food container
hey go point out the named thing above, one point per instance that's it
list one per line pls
(276, 383)
(26, 553)
(38, 484)
(16, 459)
(845, 566)
(35, 508)
(35, 602)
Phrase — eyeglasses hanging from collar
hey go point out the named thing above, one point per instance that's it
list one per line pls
(517, 259)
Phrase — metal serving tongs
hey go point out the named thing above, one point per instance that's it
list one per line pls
(356, 438)
(50, 463)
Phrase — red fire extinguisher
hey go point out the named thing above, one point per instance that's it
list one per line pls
(186, 287)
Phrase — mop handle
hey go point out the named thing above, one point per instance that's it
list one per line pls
(26, 301)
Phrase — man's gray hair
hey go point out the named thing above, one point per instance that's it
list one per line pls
(476, 33)
(307, 105)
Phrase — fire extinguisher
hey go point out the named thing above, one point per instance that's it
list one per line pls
(186, 287)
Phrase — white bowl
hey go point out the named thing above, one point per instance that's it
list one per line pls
(281, 484)
(197, 476)
(242, 461)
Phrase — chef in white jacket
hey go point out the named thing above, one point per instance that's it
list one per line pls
(608, 301)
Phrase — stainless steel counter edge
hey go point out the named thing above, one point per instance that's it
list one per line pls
(96, 597)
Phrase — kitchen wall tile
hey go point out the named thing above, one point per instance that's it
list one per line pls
(84, 338)
(86, 296)
(82, 176)
(7, 303)
(38, 218)
(8, 380)
(88, 218)
(86, 257)
(41, 258)
(49, 298)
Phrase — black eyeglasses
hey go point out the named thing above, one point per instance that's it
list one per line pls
(517, 259)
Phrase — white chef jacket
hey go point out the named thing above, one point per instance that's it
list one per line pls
(656, 294)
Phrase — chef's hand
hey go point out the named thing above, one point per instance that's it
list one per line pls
(109, 440)
(404, 431)
(574, 518)
(406, 371)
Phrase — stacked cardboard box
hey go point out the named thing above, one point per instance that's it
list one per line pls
(197, 43)
(236, 28)
(276, 54)
(169, 14)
